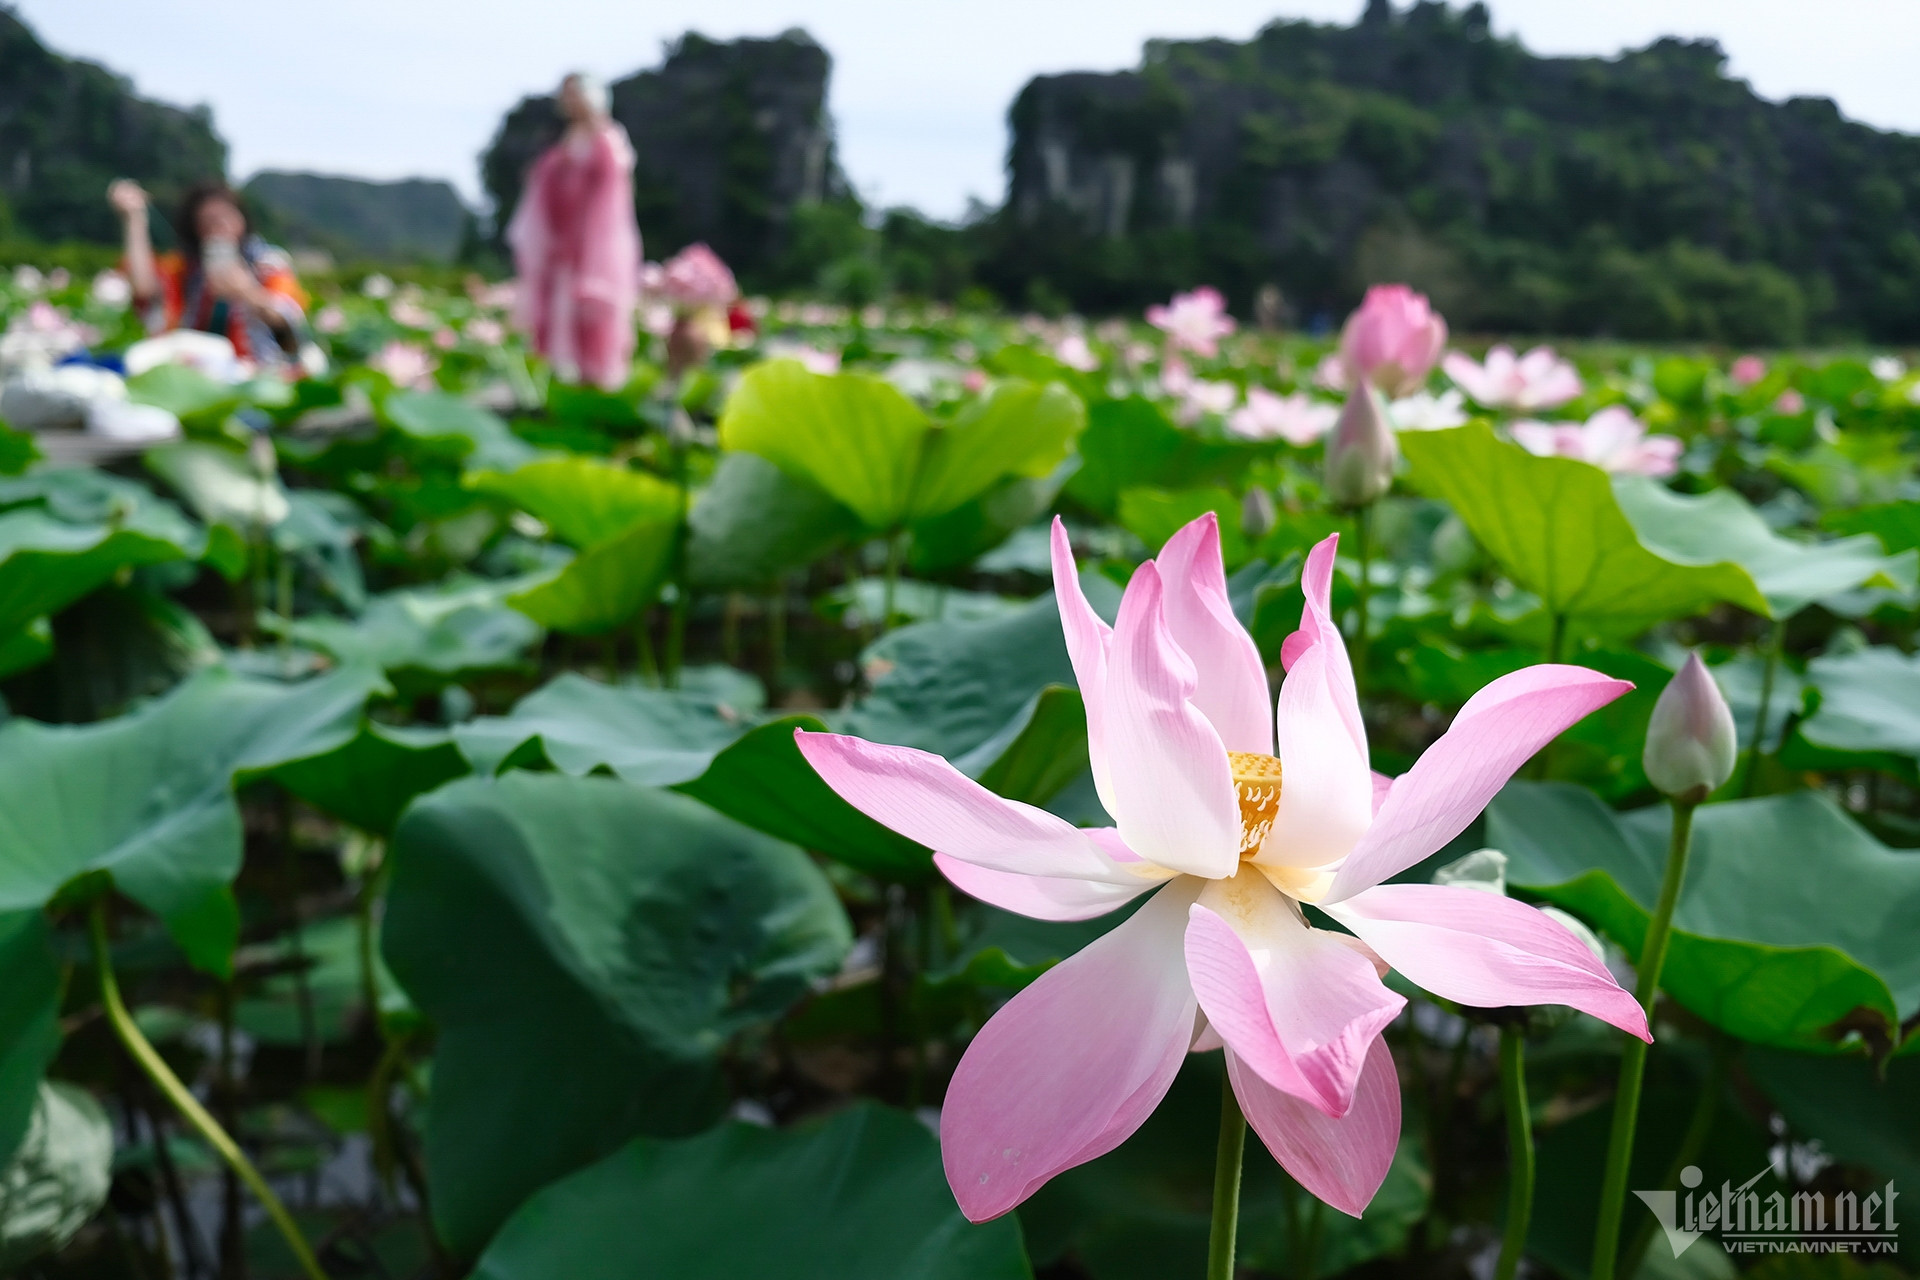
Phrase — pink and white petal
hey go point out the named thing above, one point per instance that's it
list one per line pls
(1327, 788)
(1297, 1004)
(1499, 729)
(1173, 798)
(1072, 1065)
(1342, 1161)
(1381, 785)
(1233, 680)
(1481, 949)
(1045, 897)
(1088, 638)
(924, 798)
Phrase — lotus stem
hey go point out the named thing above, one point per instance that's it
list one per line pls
(1699, 1126)
(1513, 1094)
(149, 1060)
(1633, 1059)
(1226, 1183)
(896, 548)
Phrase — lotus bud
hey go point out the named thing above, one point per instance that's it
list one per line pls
(1392, 340)
(1258, 512)
(1361, 452)
(1690, 740)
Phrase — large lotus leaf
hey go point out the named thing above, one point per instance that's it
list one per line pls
(1720, 527)
(47, 563)
(856, 436)
(1556, 526)
(1896, 524)
(858, 1197)
(220, 484)
(585, 948)
(763, 781)
(1869, 706)
(655, 737)
(1860, 1113)
(59, 1177)
(607, 585)
(29, 1020)
(1141, 1212)
(1130, 444)
(948, 687)
(185, 392)
(1794, 927)
(370, 779)
(149, 796)
(464, 428)
(754, 522)
(1016, 429)
(585, 501)
(979, 525)
(425, 637)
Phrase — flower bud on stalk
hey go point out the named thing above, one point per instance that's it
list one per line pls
(1690, 740)
(1361, 452)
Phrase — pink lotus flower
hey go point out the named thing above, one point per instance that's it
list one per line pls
(1612, 439)
(1073, 352)
(1231, 815)
(695, 279)
(1393, 340)
(1194, 321)
(486, 331)
(330, 319)
(1790, 403)
(1538, 380)
(406, 364)
(1747, 370)
(408, 313)
(1298, 419)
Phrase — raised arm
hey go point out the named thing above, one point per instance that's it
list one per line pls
(130, 201)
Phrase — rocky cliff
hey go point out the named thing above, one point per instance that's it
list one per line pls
(356, 220)
(68, 128)
(1649, 194)
(731, 139)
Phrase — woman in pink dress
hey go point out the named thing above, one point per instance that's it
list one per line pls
(576, 247)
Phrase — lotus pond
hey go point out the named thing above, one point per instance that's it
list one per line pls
(408, 772)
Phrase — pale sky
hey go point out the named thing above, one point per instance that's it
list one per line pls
(920, 90)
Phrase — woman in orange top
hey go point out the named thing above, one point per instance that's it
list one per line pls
(224, 279)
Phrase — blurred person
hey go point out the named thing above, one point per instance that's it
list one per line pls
(223, 280)
(576, 246)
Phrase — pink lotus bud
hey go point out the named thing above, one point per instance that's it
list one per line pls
(1393, 340)
(1362, 452)
(1690, 739)
(696, 278)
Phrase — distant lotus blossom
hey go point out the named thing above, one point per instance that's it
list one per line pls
(696, 278)
(1194, 321)
(1538, 380)
(1392, 340)
(1887, 368)
(486, 331)
(330, 319)
(656, 318)
(498, 297)
(446, 339)
(1073, 352)
(813, 358)
(1612, 439)
(1331, 373)
(1298, 419)
(405, 363)
(410, 314)
(974, 381)
(1790, 403)
(111, 289)
(1424, 411)
(1747, 370)
(28, 279)
(1205, 397)
(1175, 376)
(377, 286)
